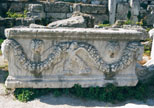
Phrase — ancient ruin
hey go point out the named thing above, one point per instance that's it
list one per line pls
(59, 43)
(62, 57)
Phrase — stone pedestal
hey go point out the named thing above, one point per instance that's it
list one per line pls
(62, 57)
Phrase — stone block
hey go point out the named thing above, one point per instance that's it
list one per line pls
(77, 7)
(56, 15)
(134, 19)
(135, 7)
(150, 8)
(99, 19)
(36, 16)
(122, 11)
(36, 8)
(16, 7)
(4, 6)
(62, 57)
(96, 2)
(36, 11)
(152, 2)
(77, 21)
(150, 19)
(93, 9)
(3, 9)
(71, 8)
(121, 1)
(9, 22)
(57, 7)
(24, 21)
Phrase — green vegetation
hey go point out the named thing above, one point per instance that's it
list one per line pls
(16, 15)
(4, 67)
(1, 40)
(104, 25)
(128, 22)
(110, 93)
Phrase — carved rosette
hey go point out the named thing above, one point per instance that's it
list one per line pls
(130, 53)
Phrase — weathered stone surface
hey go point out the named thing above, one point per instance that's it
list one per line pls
(24, 21)
(60, 58)
(89, 19)
(112, 10)
(57, 7)
(122, 1)
(149, 19)
(134, 19)
(36, 8)
(135, 7)
(7, 22)
(151, 32)
(3, 8)
(152, 2)
(36, 26)
(96, 2)
(146, 72)
(150, 8)
(77, 7)
(57, 15)
(36, 11)
(93, 9)
(122, 11)
(77, 21)
(16, 7)
(68, 15)
(99, 19)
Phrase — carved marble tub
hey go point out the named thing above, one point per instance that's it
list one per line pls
(62, 57)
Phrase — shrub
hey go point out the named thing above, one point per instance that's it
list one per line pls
(110, 93)
(16, 15)
(104, 25)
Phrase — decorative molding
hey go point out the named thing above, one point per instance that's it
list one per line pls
(129, 54)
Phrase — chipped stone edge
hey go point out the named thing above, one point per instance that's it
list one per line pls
(76, 33)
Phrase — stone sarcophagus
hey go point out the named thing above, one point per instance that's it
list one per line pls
(62, 57)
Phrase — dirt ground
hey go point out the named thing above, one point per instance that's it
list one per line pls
(49, 101)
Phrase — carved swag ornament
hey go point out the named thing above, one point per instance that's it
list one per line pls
(132, 51)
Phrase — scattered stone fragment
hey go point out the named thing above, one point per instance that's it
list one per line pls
(77, 20)
(36, 26)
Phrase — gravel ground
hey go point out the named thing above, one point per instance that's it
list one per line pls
(48, 101)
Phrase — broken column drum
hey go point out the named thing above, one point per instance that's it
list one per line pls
(62, 57)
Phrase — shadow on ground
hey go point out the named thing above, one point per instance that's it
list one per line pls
(73, 101)
(3, 75)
